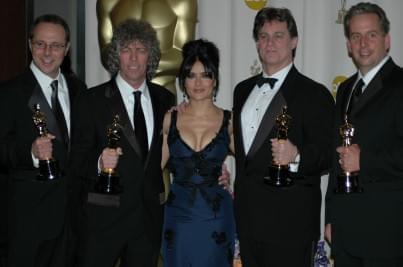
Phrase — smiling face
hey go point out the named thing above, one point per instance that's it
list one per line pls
(48, 47)
(275, 45)
(133, 60)
(367, 43)
(199, 84)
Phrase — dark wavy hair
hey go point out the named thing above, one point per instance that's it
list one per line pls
(269, 14)
(129, 31)
(366, 8)
(51, 18)
(199, 50)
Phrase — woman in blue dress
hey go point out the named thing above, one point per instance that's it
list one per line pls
(199, 227)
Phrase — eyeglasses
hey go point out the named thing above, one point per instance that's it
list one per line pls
(52, 46)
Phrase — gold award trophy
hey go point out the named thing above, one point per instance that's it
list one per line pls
(108, 179)
(347, 182)
(279, 175)
(48, 168)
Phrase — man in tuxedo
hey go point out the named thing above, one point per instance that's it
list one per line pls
(365, 228)
(279, 226)
(126, 226)
(39, 214)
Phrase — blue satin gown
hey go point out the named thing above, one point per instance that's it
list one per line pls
(199, 227)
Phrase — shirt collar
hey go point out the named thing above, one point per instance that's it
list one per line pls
(279, 75)
(127, 90)
(367, 78)
(43, 79)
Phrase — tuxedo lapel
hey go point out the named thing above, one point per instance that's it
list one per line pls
(118, 108)
(274, 109)
(347, 94)
(267, 123)
(72, 89)
(373, 88)
(158, 117)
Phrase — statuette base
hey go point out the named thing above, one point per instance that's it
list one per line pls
(278, 176)
(48, 170)
(108, 183)
(348, 184)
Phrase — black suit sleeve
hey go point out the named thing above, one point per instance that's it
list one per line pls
(84, 138)
(317, 125)
(384, 160)
(15, 142)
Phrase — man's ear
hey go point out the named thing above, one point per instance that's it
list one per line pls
(67, 49)
(294, 42)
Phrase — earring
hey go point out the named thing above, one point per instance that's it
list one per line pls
(215, 95)
(185, 96)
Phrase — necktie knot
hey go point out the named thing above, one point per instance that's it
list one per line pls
(54, 85)
(137, 98)
(137, 105)
(262, 80)
(355, 95)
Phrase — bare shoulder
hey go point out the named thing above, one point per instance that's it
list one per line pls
(166, 123)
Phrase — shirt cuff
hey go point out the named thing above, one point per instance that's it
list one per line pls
(295, 164)
(35, 161)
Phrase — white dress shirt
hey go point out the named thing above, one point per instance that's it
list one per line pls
(62, 94)
(367, 78)
(256, 105)
(126, 90)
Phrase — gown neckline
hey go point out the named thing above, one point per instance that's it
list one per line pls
(212, 141)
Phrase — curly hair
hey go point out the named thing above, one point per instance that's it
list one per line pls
(129, 31)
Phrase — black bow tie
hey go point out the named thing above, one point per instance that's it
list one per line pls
(263, 80)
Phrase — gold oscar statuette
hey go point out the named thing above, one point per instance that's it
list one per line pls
(48, 168)
(279, 175)
(347, 182)
(108, 179)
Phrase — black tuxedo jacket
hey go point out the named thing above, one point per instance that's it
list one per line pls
(369, 224)
(37, 209)
(292, 214)
(141, 202)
